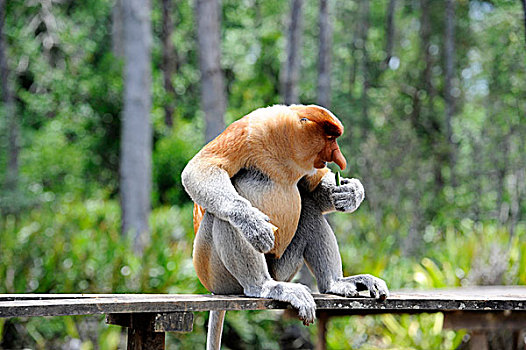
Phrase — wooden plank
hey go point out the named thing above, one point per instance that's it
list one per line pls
(484, 321)
(37, 296)
(141, 335)
(160, 322)
(478, 341)
(174, 322)
(139, 339)
(473, 299)
(323, 319)
(480, 292)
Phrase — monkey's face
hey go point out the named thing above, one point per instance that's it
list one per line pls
(330, 153)
(319, 130)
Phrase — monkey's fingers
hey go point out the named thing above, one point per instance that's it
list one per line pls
(262, 238)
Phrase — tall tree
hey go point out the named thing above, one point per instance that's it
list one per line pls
(390, 31)
(324, 54)
(291, 67)
(136, 138)
(213, 99)
(449, 59)
(117, 29)
(366, 82)
(9, 107)
(169, 60)
(524, 16)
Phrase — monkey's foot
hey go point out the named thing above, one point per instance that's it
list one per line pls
(298, 295)
(350, 286)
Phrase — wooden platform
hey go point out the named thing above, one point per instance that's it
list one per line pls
(476, 308)
(466, 299)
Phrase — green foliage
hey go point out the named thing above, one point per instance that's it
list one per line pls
(169, 159)
(76, 247)
(427, 222)
(389, 331)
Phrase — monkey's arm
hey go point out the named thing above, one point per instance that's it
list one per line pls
(346, 198)
(209, 185)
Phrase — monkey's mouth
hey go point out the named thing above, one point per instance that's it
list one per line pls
(320, 164)
(335, 156)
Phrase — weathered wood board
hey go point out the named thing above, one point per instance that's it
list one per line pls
(512, 298)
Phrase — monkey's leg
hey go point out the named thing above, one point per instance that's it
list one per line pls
(323, 258)
(250, 270)
(288, 265)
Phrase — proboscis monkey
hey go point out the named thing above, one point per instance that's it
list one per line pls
(261, 189)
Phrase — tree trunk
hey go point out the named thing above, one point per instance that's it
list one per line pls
(291, 67)
(390, 31)
(430, 125)
(213, 98)
(136, 138)
(11, 180)
(425, 34)
(168, 65)
(117, 30)
(524, 17)
(365, 12)
(449, 60)
(325, 54)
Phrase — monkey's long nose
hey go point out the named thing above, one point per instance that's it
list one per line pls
(338, 158)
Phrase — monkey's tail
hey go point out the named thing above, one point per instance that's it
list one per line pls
(215, 329)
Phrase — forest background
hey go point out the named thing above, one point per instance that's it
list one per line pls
(432, 95)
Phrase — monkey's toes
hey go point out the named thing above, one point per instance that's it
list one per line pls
(376, 286)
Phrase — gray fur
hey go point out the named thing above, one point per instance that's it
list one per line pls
(211, 188)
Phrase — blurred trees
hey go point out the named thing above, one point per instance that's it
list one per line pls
(433, 99)
(432, 95)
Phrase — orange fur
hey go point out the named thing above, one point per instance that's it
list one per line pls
(314, 180)
(277, 142)
(199, 212)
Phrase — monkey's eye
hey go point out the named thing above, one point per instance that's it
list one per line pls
(304, 120)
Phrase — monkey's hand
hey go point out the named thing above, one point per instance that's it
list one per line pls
(254, 225)
(348, 196)
(350, 286)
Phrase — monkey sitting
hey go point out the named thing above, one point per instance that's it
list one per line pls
(260, 191)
